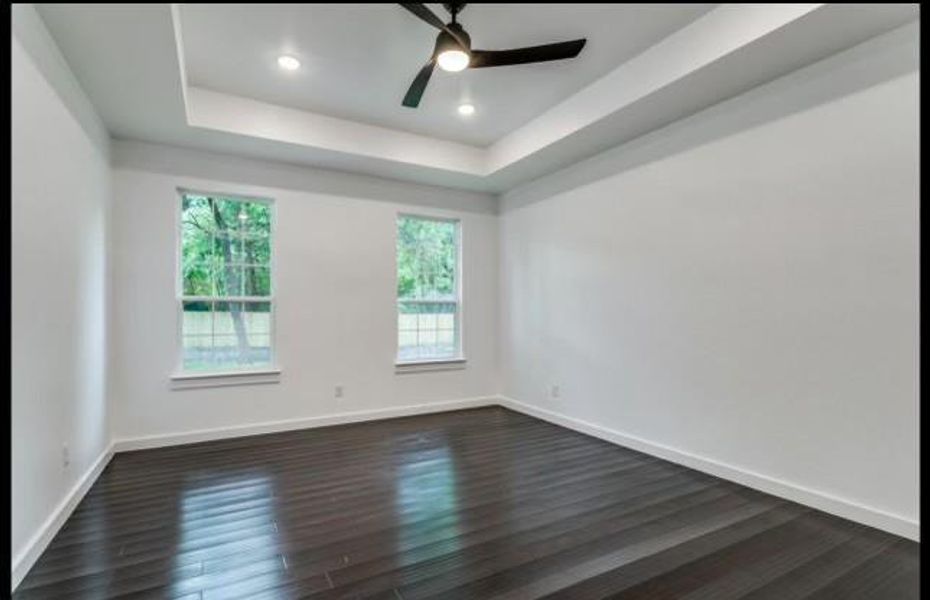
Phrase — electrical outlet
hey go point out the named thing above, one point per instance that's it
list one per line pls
(554, 391)
(65, 455)
(338, 391)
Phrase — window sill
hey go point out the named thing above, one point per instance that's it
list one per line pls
(425, 366)
(183, 381)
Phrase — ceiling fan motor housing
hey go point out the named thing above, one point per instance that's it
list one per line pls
(444, 41)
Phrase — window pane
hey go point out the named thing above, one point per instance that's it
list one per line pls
(197, 336)
(197, 233)
(426, 259)
(445, 321)
(446, 337)
(407, 340)
(255, 219)
(257, 250)
(421, 330)
(197, 213)
(226, 214)
(242, 334)
(228, 279)
(407, 322)
(256, 281)
(197, 278)
(228, 248)
(258, 318)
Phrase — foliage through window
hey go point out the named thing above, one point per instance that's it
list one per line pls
(226, 301)
(428, 307)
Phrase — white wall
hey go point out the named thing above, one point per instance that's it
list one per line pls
(335, 293)
(740, 287)
(60, 202)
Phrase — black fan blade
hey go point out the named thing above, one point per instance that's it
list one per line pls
(519, 56)
(412, 99)
(430, 17)
(426, 14)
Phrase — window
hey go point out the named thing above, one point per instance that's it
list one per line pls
(225, 297)
(428, 288)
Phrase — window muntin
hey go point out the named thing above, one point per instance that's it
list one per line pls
(428, 289)
(225, 302)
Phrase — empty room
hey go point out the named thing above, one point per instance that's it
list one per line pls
(465, 301)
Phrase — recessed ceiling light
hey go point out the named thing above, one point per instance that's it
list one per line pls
(288, 63)
(466, 109)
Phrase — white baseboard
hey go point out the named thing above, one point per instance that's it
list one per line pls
(37, 544)
(840, 507)
(203, 435)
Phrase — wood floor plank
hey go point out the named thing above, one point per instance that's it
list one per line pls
(481, 503)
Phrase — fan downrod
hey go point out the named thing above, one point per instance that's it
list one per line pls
(454, 8)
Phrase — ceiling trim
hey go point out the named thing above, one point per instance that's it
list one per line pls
(233, 114)
(142, 92)
(720, 32)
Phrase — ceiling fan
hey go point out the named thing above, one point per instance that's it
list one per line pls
(453, 51)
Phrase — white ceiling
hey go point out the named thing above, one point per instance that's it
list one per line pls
(359, 59)
(204, 77)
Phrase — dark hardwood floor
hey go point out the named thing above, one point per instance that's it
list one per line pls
(483, 503)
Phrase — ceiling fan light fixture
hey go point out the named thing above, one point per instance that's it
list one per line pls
(288, 63)
(453, 60)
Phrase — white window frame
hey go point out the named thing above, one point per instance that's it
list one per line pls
(457, 361)
(247, 375)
